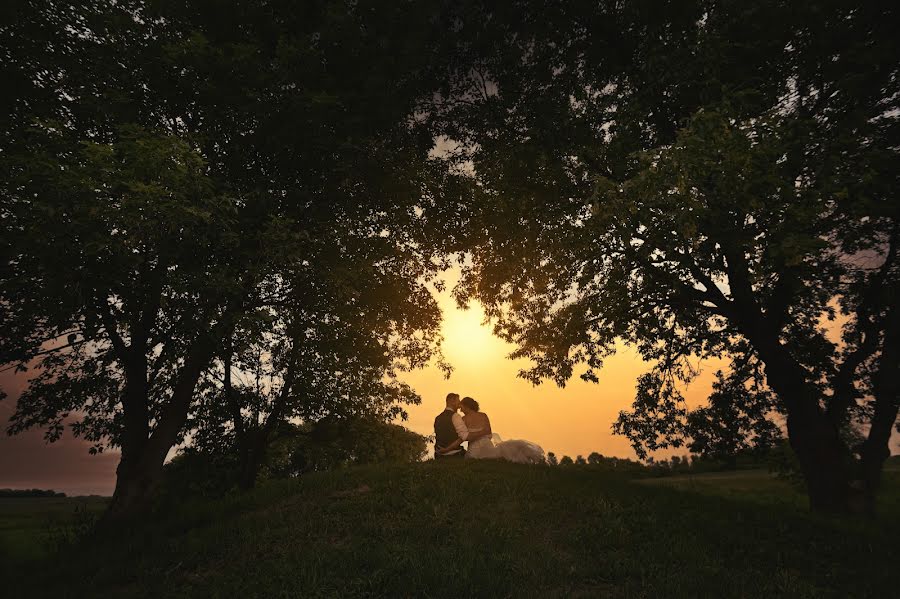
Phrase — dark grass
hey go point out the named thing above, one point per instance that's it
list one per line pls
(33, 527)
(484, 529)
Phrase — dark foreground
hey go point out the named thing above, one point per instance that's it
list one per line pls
(464, 529)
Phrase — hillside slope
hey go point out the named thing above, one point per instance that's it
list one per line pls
(478, 529)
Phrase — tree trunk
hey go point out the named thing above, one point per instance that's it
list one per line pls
(823, 455)
(255, 443)
(873, 456)
(886, 390)
(252, 458)
(140, 470)
(137, 480)
(135, 476)
(823, 461)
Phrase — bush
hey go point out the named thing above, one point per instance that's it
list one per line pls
(200, 473)
(783, 462)
(324, 445)
(30, 493)
(338, 442)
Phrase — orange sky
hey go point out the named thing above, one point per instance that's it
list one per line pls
(570, 421)
(573, 420)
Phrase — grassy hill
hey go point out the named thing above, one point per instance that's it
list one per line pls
(482, 529)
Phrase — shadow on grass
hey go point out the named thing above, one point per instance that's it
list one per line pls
(484, 528)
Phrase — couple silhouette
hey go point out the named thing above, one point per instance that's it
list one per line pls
(473, 427)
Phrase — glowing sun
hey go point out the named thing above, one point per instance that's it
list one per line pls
(467, 340)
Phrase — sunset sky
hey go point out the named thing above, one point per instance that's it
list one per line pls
(574, 420)
(569, 421)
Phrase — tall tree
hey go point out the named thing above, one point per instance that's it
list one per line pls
(329, 356)
(739, 415)
(175, 173)
(702, 179)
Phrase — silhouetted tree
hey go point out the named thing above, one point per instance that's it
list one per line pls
(552, 459)
(566, 461)
(595, 458)
(30, 493)
(335, 442)
(702, 180)
(737, 418)
(175, 176)
(348, 370)
(734, 421)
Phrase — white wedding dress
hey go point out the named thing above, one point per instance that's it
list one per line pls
(514, 450)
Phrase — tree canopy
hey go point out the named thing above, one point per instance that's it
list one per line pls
(217, 217)
(184, 184)
(700, 180)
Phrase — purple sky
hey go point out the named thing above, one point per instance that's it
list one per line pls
(27, 461)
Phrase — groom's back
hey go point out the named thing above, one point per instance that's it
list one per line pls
(444, 431)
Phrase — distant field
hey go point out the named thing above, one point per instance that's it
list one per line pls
(29, 526)
(479, 529)
(760, 486)
(742, 485)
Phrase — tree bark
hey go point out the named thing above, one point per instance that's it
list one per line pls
(141, 468)
(823, 455)
(255, 443)
(137, 479)
(252, 458)
(886, 390)
(824, 461)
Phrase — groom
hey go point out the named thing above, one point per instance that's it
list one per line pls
(449, 431)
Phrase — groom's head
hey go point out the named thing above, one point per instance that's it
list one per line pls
(453, 401)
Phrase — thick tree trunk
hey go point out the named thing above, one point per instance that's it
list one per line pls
(252, 457)
(873, 456)
(141, 468)
(137, 480)
(823, 455)
(824, 461)
(886, 389)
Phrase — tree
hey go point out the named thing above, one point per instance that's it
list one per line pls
(735, 421)
(293, 450)
(175, 175)
(552, 459)
(710, 180)
(595, 458)
(335, 442)
(566, 461)
(312, 366)
(737, 418)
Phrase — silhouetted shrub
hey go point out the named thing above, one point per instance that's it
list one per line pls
(30, 493)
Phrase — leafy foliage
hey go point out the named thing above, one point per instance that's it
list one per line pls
(339, 442)
(700, 181)
(738, 416)
(292, 451)
(189, 184)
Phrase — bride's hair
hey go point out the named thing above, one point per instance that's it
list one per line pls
(470, 403)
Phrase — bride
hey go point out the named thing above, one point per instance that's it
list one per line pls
(485, 444)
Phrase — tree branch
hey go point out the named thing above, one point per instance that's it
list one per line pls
(109, 323)
(845, 393)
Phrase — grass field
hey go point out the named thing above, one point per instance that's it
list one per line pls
(32, 527)
(476, 529)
